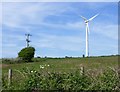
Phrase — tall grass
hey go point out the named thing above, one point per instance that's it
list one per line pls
(59, 81)
(63, 74)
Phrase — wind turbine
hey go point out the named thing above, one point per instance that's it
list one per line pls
(87, 30)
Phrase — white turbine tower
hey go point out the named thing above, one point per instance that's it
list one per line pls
(87, 30)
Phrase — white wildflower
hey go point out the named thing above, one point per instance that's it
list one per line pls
(41, 66)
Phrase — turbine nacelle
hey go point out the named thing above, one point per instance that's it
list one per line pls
(86, 21)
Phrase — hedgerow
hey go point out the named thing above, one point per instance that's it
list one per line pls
(73, 81)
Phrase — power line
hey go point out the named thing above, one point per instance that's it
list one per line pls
(27, 39)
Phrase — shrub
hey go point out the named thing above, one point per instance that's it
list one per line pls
(108, 80)
(11, 60)
(5, 60)
(36, 80)
(27, 54)
(72, 81)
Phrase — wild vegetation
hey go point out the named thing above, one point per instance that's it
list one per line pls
(36, 80)
(26, 54)
(100, 73)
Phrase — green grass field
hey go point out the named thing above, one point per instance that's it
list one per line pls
(67, 64)
(92, 65)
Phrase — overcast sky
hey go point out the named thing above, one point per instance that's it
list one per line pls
(57, 28)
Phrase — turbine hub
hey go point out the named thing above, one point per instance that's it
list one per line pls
(86, 21)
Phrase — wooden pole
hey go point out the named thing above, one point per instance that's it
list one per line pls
(82, 70)
(9, 77)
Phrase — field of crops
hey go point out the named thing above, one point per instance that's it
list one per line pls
(54, 69)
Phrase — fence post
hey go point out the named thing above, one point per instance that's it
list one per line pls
(82, 71)
(9, 77)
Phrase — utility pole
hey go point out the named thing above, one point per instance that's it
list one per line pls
(27, 39)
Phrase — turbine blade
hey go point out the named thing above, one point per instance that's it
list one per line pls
(83, 17)
(80, 15)
(93, 17)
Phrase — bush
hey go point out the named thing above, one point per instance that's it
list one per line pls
(35, 81)
(27, 54)
(108, 80)
(11, 60)
(56, 81)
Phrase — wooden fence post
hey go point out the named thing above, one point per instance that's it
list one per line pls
(82, 71)
(9, 77)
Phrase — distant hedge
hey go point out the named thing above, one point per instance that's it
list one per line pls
(27, 54)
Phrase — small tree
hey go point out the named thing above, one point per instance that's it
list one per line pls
(27, 54)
